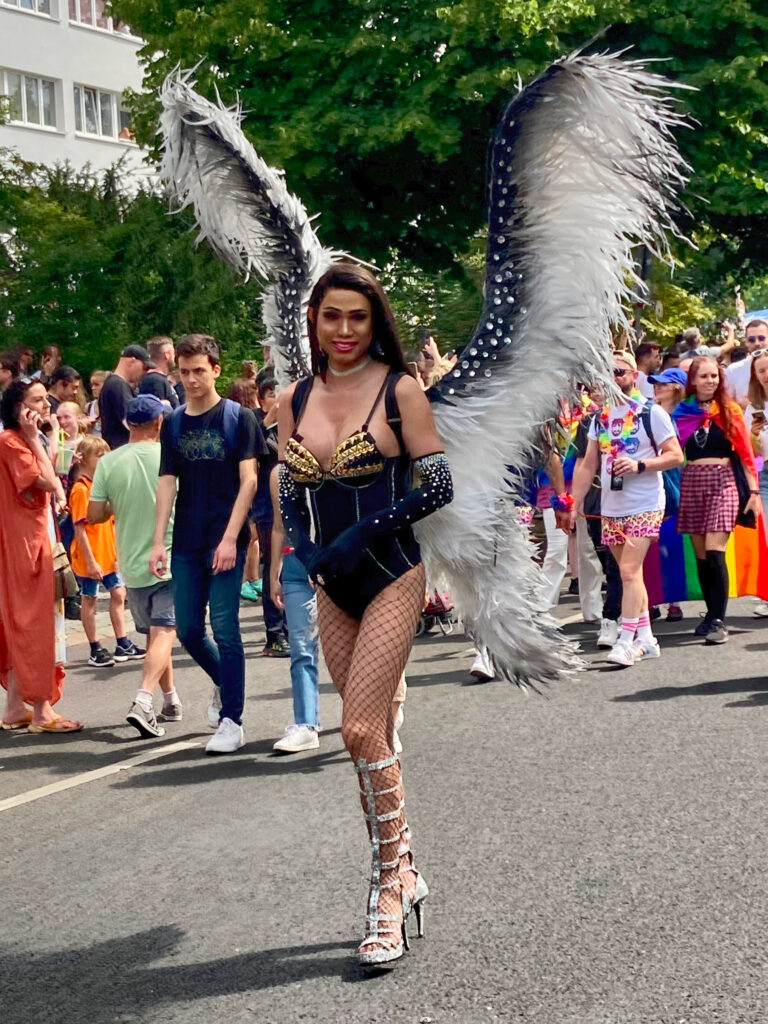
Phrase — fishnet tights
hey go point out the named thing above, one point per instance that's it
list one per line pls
(366, 660)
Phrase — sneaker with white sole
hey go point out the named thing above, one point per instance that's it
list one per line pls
(144, 720)
(482, 667)
(213, 709)
(170, 713)
(296, 739)
(101, 658)
(646, 649)
(609, 633)
(622, 654)
(129, 653)
(228, 738)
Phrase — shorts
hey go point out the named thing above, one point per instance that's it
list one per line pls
(109, 581)
(152, 606)
(709, 499)
(617, 529)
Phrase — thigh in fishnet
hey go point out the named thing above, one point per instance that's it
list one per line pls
(338, 633)
(381, 650)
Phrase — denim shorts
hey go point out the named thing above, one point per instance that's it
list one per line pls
(152, 606)
(90, 588)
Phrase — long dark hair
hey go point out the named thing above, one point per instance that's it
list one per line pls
(12, 398)
(385, 345)
(722, 396)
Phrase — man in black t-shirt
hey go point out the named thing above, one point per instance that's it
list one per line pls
(210, 447)
(117, 392)
(155, 381)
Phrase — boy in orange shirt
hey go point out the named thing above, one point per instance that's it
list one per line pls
(94, 561)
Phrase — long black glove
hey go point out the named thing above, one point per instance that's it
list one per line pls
(297, 520)
(343, 554)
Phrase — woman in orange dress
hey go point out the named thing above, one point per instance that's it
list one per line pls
(31, 654)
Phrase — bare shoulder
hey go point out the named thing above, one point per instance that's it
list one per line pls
(409, 393)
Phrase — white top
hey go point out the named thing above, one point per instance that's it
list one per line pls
(762, 441)
(642, 492)
(645, 389)
(738, 378)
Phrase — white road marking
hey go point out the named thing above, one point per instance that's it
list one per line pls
(92, 776)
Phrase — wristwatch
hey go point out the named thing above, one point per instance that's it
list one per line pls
(640, 466)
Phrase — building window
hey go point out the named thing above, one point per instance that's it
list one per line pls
(93, 13)
(30, 100)
(100, 113)
(37, 6)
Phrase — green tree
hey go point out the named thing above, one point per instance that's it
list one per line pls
(90, 267)
(381, 114)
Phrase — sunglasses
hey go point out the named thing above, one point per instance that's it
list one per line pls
(618, 372)
(754, 338)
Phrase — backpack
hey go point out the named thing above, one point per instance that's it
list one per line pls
(229, 423)
(670, 477)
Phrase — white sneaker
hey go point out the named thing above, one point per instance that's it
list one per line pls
(646, 649)
(760, 609)
(482, 668)
(298, 738)
(622, 654)
(609, 633)
(228, 738)
(213, 709)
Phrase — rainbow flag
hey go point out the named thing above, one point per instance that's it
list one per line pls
(670, 565)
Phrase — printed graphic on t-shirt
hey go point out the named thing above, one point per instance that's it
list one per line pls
(202, 446)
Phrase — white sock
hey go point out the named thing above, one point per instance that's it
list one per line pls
(171, 697)
(144, 699)
(644, 632)
(628, 630)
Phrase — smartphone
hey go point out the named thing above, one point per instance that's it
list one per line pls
(413, 369)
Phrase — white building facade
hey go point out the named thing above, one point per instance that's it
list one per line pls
(64, 65)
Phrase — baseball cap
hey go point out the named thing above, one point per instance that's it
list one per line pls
(626, 357)
(144, 409)
(674, 375)
(137, 352)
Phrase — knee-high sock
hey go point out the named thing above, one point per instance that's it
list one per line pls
(704, 571)
(720, 583)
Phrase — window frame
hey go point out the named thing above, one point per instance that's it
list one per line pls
(115, 108)
(109, 28)
(40, 80)
(16, 5)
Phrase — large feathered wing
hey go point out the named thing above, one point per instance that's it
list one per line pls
(244, 212)
(583, 168)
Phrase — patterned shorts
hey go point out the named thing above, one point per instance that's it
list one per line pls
(640, 524)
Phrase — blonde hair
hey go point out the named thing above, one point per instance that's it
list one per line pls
(92, 444)
(83, 423)
(99, 376)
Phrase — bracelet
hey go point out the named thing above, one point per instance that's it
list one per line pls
(754, 492)
(562, 502)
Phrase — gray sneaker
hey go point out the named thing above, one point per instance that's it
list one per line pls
(144, 721)
(718, 634)
(170, 713)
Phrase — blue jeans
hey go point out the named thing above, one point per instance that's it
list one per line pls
(194, 588)
(301, 615)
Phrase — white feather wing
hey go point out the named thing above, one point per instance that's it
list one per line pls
(584, 167)
(244, 212)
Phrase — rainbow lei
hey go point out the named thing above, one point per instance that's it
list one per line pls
(610, 446)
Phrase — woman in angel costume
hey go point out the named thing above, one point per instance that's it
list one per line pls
(583, 168)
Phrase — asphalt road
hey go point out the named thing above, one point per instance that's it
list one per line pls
(596, 856)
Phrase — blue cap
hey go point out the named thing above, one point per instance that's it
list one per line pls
(144, 409)
(674, 375)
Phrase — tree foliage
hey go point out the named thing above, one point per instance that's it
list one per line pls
(381, 114)
(86, 266)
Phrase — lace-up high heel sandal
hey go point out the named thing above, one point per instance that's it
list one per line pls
(411, 901)
(385, 938)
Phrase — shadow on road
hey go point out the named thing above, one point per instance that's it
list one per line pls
(186, 768)
(115, 980)
(710, 689)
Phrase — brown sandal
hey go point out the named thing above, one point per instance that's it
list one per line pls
(21, 724)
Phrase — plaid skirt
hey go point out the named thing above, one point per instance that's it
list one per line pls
(709, 499)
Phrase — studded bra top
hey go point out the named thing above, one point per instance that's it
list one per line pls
(356, 460)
